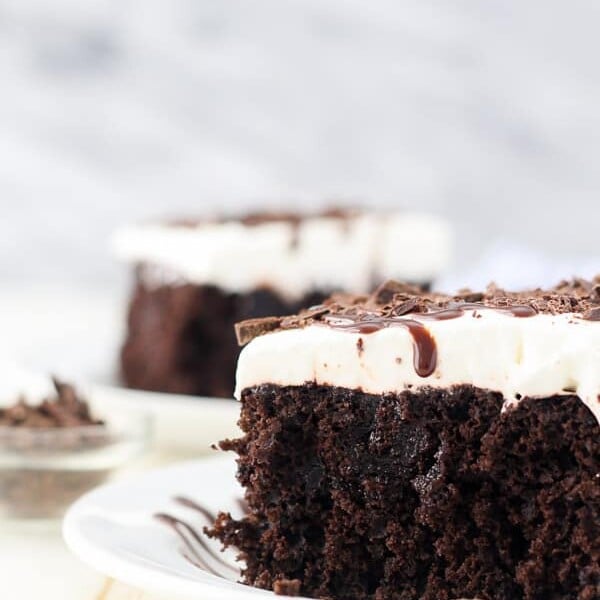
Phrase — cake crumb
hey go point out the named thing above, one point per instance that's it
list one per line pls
(398, 360)
(287, 587)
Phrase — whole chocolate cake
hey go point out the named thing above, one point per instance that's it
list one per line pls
(195, 279)
(416, 446)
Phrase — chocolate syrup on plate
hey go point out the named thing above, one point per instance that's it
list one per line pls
(196, 549)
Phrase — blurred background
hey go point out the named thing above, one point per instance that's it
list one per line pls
(116, 111)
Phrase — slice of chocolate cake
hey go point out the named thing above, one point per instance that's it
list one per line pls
(194, 280)
(414, 446)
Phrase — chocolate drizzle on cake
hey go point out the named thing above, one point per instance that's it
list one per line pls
(396, 304)
(425, 350)
(458, 309)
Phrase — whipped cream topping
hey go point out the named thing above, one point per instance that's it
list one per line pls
(537, 356)
(291, 257)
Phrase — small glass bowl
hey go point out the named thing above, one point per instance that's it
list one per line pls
(43, 471)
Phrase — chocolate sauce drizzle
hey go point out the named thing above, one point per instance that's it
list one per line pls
(424, 346)
(196, 549)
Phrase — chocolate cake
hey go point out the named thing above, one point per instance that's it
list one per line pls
(409, 445)
(195, 279)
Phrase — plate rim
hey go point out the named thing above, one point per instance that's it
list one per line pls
(142, 577)
(209, 415)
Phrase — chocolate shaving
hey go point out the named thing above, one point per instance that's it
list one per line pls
(396, 299)
(305, 317)
(386, 292)
(408, 306)
(247, 330)
(64, 410)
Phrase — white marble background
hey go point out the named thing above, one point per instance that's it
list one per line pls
(112, 110)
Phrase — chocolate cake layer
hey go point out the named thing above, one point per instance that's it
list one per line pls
(181, 338)
(431, 494)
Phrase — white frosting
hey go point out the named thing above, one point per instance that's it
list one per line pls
(320, 252)
(535, 356)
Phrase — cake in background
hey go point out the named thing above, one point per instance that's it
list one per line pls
(195, 279)
(420, 446)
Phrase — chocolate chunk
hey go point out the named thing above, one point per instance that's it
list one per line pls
(247, 330)
(413, 304)
(385, 293)
(305, 317)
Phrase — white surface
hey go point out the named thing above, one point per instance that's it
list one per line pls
(112, 529)
(36, 565)
(540, 356)
(319, 252)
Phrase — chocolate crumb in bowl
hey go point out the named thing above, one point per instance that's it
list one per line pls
(66, 410)
(45, 453)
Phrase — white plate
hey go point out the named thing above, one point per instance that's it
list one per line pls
(184, 425)
(114, 531)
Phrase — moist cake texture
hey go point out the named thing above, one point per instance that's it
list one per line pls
(408, 445)
(181, 338)
(195, 279)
